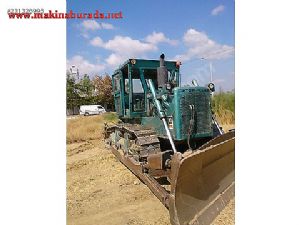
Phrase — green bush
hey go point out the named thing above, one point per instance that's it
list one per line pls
(111, 117)
(223, 105)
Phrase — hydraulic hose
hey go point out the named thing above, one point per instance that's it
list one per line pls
(161, 114)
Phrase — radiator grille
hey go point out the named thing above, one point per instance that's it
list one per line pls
(202, 116)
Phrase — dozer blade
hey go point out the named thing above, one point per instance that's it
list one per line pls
(202, 183)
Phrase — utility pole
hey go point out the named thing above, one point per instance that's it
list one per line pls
(211, 73)
(210, 69)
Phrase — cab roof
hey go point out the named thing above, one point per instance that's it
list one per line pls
(146, 63)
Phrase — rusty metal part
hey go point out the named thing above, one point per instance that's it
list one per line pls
(218, 139)
(157, 161)
(202, 184)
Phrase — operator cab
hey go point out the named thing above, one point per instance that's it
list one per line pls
(130, 80)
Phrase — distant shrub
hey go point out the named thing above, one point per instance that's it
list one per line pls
(110, 117)
(223, 105)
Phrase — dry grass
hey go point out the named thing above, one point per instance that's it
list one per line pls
(223, 104)
(84, 128)
(225, 117)
(227, 127)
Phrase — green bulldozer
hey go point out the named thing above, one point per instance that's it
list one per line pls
(169, 138)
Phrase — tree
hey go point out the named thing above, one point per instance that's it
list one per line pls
(86, 90)
(103, 90)
(97, 82)
(73, 98)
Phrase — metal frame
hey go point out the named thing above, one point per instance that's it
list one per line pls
(141, 65)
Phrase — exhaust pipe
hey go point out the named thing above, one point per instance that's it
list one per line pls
(162, 72)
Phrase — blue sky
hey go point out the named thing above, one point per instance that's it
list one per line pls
(187, 31)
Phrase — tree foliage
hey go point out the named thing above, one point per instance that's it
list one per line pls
(86, 91)
(86, 86)
(73, 97)
(103, 89)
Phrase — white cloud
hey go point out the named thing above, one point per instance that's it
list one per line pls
(123, 44)
(159, 37)
(200, 46)
(94, 25)
(123, 47)
(84, 66)
(85, 35)
(218, 10)
(107, 26)
(90, 25)
(115, 59)
(97, 42)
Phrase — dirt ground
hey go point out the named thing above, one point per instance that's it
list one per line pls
(100, 190)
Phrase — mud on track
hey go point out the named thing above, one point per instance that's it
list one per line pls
(100, 190)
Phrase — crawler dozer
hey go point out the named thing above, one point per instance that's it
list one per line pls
(169, 138)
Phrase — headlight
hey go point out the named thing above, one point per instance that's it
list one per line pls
(211, 87)
(168, 86)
